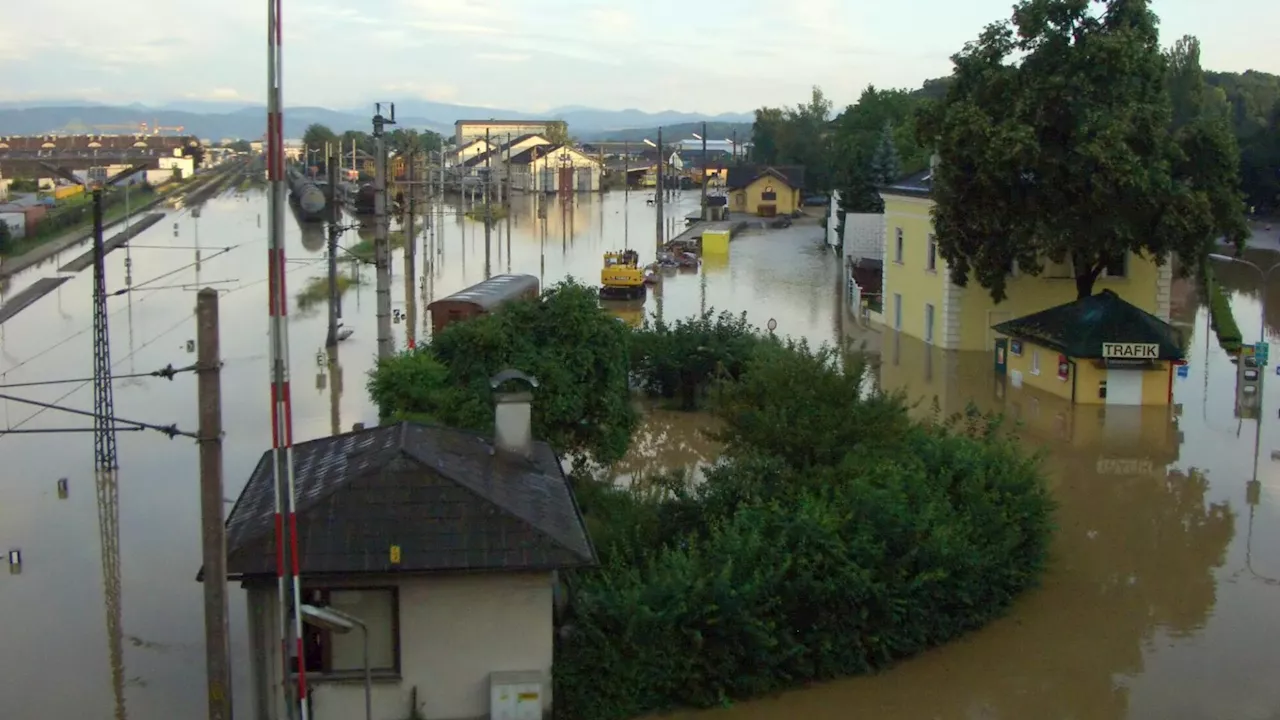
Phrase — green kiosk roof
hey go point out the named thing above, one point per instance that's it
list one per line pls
(1082, 328)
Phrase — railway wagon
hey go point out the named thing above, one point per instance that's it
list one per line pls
(481, 298)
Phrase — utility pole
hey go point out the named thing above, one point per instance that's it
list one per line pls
(626, 173)
(410, 251)
(488, 215)
(704, 172)
(217, 650)
(658, 190)
(381, 245)
(335, 229)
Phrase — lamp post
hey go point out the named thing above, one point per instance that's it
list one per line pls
(342, 623)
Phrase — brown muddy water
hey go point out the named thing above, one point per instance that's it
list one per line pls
(1160, 602)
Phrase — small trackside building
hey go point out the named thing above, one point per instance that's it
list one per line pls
(1099, 350)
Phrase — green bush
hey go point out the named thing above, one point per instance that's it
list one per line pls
(1220, 313)
(790, 564)
(679, 361)
(577, 352)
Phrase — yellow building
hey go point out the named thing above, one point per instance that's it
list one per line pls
(921, 301)
(1098, 350)
(764, 190)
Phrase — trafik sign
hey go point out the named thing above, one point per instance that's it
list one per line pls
(1131, 351)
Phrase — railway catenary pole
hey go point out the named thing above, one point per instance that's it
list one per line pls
(289, 585)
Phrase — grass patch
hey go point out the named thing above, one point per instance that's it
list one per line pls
(499, 212)
(1221, 318)
(363, 250)
(316, 291)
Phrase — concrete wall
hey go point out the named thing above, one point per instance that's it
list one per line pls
(184, 165)
(454, 632)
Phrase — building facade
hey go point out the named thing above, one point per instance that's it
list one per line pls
(919, 299)
(554, 169)
(464, 131)
(765, 191)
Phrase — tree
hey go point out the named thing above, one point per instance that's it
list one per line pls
(239, 146)
(796, 136)
(317, 136)
(859, 132)
(577, 351)
(405, 140)
(1068, 154)
(558, 132)
(884, 163)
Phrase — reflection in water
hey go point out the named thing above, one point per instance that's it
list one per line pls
(109, 536)
(1132, 562)
(667, 440)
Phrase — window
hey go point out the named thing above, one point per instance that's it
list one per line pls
(928, 323)
(339, 654)
(897, 248)
(932, 263)
(1116, 267)
(1035, 362)
(897, 311)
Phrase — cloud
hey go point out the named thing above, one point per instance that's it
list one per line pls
(436, 92)
(217, 94)
(501, 57)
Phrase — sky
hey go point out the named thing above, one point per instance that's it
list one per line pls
(534, 55)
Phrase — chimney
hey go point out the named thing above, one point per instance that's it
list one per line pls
(513, 414)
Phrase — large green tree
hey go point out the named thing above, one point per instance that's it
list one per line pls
(881, 125)
(1055, 143)
(316, 136)
(797, 136)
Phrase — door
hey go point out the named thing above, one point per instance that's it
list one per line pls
(1124, 387)
(566, 180)
(1002, 356)
(584, 180)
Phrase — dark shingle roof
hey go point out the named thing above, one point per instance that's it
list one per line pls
(444, 496)
(915, 185)
(741, 176)
(1079, 328)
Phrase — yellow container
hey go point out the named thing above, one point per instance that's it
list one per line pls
(715, 242)
(65, 191)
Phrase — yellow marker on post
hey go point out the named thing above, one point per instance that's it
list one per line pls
(395, 554)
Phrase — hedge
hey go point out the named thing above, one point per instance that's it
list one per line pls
(1220, 313)
(793, 563)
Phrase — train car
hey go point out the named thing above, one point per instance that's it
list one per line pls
(481, 298)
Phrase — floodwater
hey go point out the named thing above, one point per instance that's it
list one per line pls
(1159, 604)
(57, 661)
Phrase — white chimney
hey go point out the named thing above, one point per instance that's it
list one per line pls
(513, 415)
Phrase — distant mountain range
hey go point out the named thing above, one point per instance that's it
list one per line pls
(218, 120)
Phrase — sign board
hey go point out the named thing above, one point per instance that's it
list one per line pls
(1131, 351)
(1183, 370)
(1262, 351)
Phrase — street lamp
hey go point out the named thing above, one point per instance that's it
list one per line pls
(339, 622)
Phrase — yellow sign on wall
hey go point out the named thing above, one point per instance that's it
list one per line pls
(395, 554)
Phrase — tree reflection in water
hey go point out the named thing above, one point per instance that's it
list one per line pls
(667, 440)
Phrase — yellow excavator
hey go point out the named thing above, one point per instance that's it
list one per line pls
(622, 278)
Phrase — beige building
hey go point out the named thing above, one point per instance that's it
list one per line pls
(554, 169)
(467, 130)
(443, 542)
